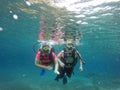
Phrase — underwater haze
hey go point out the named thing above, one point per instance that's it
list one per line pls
(99, 22)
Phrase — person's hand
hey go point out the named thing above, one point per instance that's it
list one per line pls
(56, 72)
(62, 64)
(49, 67)
(81, 68)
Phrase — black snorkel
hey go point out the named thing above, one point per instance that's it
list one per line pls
(36, 47)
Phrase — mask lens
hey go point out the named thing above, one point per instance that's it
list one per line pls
(69, 46)
(46, 49)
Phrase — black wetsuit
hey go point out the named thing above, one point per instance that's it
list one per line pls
(68, 69)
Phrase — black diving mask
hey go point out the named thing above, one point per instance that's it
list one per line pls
(45, 49)
(70, 46)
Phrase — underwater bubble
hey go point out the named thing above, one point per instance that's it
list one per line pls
(78, 22)
(24, 75)
(84, 23)
(15, 16)
(93, 17)
(1, 29)
(28, 3)
(10, 11)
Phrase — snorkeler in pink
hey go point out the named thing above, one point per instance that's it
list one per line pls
(46, 59)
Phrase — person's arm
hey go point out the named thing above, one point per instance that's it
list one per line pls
(38, 64)
(81, 67)
(80, 57)
(81, 61)
(59, 56)
(55, 63)
(56, 66)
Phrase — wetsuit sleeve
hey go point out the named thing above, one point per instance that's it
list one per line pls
(79, 55)
(60, 54)
(37, 56)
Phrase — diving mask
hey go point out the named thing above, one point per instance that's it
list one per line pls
(69, 46)
(45, 49)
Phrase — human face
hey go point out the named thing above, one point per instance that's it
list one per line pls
(45, 49)
(69, 46)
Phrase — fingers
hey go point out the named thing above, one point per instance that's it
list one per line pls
(62, 65)
(81, 69)
(57, 72)
(50, 68)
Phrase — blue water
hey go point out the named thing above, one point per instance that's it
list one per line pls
(100, 48)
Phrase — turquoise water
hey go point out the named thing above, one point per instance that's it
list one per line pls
(100, 48)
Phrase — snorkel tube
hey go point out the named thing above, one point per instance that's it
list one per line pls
(36, 47)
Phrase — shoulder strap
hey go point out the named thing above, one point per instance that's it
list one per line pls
(50, 54)
(39, 49)
(64, 49)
